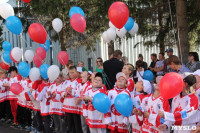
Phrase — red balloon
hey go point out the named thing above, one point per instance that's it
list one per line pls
(63, 57)
(16, 88)
(118, 14)
(37, 60)
(40, 51)
(78, 22)
(4, 66)
(171, 85)
(37, 33)
(26, 1)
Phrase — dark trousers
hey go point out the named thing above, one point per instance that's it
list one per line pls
(37, 121)
(28, 118)
(47, 124)
(21, 115)
(8, 114)
(3, 110)
(74, 123)
(59, 123)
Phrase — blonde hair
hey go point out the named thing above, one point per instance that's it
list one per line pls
(130, 68)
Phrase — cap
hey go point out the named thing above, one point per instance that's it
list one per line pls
(169, 50)
(197, 72)
(79, 69)
(190, 80)
(120, 74)
(99, 75)
(147, 86)
(12, 68)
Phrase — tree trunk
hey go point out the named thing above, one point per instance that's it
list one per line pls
(182, 27)
(63, 39)
(161, 36)
(110, 48)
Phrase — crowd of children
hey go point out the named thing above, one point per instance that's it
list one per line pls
(66, 106)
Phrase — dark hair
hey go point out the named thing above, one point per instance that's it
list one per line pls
(13, 68)
(162, 54)
(195, 55)
(99, 75)
(139, 63)
(174, 59)
(140, 55)
(154, 55)
(69, 62)
(72, 68)
(117, 52)
(99, 58)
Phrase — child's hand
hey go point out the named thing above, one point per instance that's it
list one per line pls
(31, 90)
(162, 127)
(86, 98)
(6, 85)
(48, 92)
(77, 101)
(146, 114)
(161, 114)
(65, 94)
(138, 112)
(69, 89)
(134, 111)
(54, 95)
(124, 125)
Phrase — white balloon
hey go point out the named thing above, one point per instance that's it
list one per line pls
(111, 25)
(134, 30)
(121, 32)
(3, 1)
(16, 53)
(6, 10)
(57, 24)
(105, 37)
(53, 72)
(111, 32)
(34, 74)
(28, 55)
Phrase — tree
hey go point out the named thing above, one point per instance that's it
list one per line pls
(1, 39)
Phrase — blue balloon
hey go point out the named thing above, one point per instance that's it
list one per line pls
(46, 46)
(148, 75)
(6, 57)
(75, 10)
(23, 69)
(6, 46)
(43, 70)
(101, 102)
(14, 24)
(129, 24)
(124, 104)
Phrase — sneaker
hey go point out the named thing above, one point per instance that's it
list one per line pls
(33, 130)
(8, 121)
(14, 125)
(29, 129)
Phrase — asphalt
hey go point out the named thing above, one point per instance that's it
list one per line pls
(5, 128)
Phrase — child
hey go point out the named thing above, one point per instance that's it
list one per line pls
(72, 110)
(184, 108)
(80, 91)
(56, 103)
(95, 119)
(117, 122)
(128, 70)
(142, 89)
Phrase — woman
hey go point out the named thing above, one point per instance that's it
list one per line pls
(193, 63)
(138, 73)
(99, 63)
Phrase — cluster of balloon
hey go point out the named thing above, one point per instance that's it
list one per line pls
(23, 69)
(6, 60)
(16, 88)
(101, 99)
(123, 104)
(171, 85)
(77, 19)
(53, 72)
(148, 75)
(63, 57)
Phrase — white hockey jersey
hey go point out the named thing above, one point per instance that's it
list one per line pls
(3, 90)
(56, 102)
(184, 112)
(95, 119)
(69, 101)
(114, 117)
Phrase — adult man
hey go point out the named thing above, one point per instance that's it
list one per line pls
(112, 67)
(140, 57)
(166, 67)
(153, 63)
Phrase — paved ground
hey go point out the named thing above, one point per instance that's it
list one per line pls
(5, 128)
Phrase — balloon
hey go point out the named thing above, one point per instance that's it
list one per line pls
(57, 24)
(148, 75)
(23, 69)
(46, 46)
(37, 33)
(78, 23)
(118, 14)
(53, 72)
(16, 54)
(43, 71)
(37, 60)
(6, 57)
(16, 88)
(3, 1)
(4, 66)
(111, 25)
(4, 61)
(28, 55)
(63, 57)
(171, 85)
(34, 74)
(6, 10)
(26, 1)
(41, 52)
(111, 33)
(101, 99)
(6, 46)
(121, 32)
(14, 24)
(134, 30)
(124, 104)
(129, 24)
(105, 37)
(75, 10)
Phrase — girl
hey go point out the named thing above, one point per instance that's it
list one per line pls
(128, 70)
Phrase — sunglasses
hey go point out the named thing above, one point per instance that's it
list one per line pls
(98, 61)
